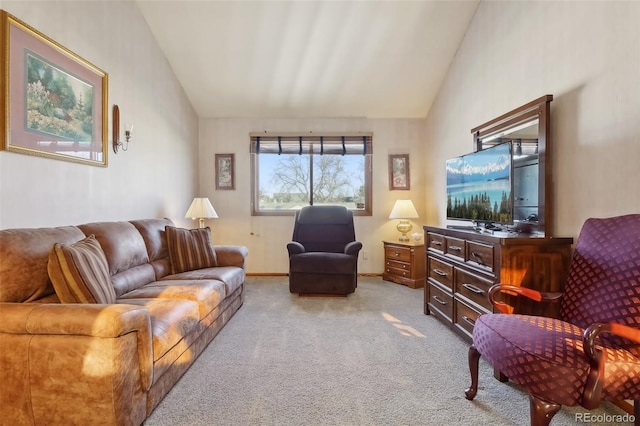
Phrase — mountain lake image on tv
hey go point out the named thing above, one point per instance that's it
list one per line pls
(479, 186)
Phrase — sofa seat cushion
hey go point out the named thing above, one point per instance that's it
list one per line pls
(79, 272)
(208, 294)
(172, 320)
(232, 276)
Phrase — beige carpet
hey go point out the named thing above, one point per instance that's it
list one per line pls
(372, 358)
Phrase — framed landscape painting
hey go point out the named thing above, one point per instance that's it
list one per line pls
(54, 102)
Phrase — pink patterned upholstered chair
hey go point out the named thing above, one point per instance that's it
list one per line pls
(592, 351)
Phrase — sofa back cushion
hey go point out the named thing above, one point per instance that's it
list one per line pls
(126, 254)
(153, 234)
(190, 249)
(80, 273)
(23, 261)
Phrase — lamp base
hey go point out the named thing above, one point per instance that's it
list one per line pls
(404, 227)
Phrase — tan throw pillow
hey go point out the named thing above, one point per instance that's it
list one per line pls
(190, 249)
(80, 273)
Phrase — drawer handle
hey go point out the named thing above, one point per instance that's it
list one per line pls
(440, 300)
(468, 320)
(440, 272)
(436, 243)
(455, 248)
(404, 274)
(472, 288)
(397, 253)
(477, 258)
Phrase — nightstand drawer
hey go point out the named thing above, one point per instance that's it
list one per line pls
(398, 266)
(441, 272)
(397, 253)
(473, 288)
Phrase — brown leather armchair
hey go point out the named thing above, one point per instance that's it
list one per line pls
(592, 351)
(323, 254)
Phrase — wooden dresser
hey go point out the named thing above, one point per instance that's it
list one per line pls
(404, 263)
(463, 265)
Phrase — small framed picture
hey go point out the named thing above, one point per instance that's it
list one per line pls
(399, 172)
(225, 173)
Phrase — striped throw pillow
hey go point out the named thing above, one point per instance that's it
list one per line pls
(80, 273)
(190, 249)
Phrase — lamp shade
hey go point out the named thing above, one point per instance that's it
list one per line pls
(403, 209)
(201, 208)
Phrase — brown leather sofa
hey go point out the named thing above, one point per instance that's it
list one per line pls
(84, 363)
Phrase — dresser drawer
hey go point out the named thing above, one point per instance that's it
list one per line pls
(441, 301)
(441, 272)
(435, 242)
(466, 317)
(455, 247)
(397, 253)
(473, 287)
(480, 254)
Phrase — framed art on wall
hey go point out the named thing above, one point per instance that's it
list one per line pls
(225, 173)
(399, 172)
(54, 102)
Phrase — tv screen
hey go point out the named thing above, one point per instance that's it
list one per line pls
(479, 186)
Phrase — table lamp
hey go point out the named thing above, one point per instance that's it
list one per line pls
(201, 209)
(403, 210)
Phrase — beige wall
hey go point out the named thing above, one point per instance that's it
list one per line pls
(587, 54)
(157, 176)
(267, 236)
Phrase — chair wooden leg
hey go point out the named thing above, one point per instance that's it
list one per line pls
(474, 360)
(542, 411)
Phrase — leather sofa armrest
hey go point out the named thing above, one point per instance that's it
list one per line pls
(353, 248)
(101, 321)
(231, 255)
(295, 247)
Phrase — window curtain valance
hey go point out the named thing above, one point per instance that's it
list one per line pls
(327, 143)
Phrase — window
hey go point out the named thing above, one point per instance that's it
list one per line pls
(291, 171)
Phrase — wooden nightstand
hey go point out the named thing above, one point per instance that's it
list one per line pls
(404, 263)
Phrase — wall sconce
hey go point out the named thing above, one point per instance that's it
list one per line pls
(403, 210)
(128, 131)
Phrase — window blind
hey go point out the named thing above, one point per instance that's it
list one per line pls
(341, 144)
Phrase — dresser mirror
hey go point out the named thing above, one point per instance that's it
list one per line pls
(528, 130)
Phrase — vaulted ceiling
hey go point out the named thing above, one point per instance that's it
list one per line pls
(309, 58)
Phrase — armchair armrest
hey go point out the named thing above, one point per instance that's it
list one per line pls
(295, 247)
(535, 295)
(106, 321)
(597, 359)
(353, 248)
(231, 255)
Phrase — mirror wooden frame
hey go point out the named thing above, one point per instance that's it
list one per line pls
(538, 109)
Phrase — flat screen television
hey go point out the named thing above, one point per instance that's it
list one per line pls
(480, 186)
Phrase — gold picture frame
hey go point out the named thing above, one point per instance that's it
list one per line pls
(54, 102)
